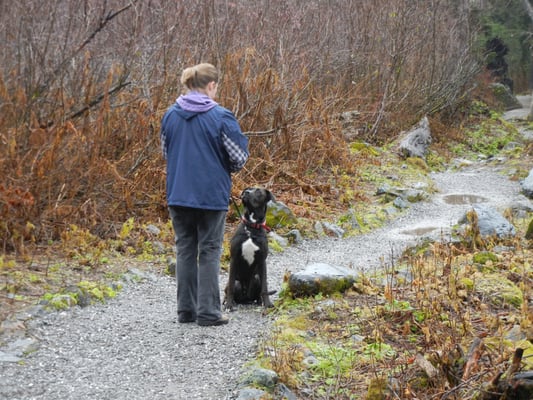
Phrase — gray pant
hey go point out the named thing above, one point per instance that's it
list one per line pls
(199, 235)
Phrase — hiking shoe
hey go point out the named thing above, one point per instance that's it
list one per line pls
(185, 317)
(223, 320)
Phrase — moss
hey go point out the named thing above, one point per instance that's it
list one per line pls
(364, 148)
(500, 290)
(484, 256)
(527, 357)
(280, 216)
(467, 283)
(417, 163)
(273, 245)
(321, 284)
(377, 389)
(60, 301)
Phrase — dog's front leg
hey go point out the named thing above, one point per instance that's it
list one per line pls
(229, 298)
(264, 286)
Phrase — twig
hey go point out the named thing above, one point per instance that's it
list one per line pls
(473, 356)
(98, 99)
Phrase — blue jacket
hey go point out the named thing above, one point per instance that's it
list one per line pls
(202, 149)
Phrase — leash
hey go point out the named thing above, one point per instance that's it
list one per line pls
(236, 207)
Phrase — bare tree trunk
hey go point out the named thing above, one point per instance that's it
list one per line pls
(529, 9)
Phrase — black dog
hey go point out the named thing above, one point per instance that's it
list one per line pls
(247, 281)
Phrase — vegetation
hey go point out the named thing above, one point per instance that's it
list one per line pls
(84, 84)
(410, 331)
(442, 322)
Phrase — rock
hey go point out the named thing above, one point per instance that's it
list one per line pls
(261, 377)
(319, 229)
(251, 394)
(158, 247)
(504, 96)
(280, 240)
(521, 209)
(407, 195)
(333, 229)
(15, 350)
(490, 222)
(279, 215)
(171, 266)
(284, 393)
(515, 334)
(8, 358)
(321, 278)
(295, 236)
(351, 123)
(135, 275)
(153, 230)
(400, 203)
(415, 143)
(527, 185)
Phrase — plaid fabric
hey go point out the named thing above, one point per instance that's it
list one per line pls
(237, 155)
(163, 137)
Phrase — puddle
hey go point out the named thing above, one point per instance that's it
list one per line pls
(419, 231)
(463, 199)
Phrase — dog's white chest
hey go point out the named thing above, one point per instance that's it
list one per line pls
(248, 251)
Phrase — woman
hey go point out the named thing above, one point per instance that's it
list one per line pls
(203, 144)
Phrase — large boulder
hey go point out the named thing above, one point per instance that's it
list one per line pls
(321, 278)
(505, 96)
(490, 222)
(279, 215)
(415, 143)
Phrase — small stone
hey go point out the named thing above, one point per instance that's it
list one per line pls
(262, 377)
(251, 394)
(153, 230)
(295, 236)
(8, 358)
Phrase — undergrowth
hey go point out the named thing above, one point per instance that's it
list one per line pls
(373, 339)
(81, 264)
(441, 323)
(377, 340)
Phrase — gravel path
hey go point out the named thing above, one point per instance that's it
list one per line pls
(133, 348)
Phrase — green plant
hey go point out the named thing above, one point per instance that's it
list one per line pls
(379, 351)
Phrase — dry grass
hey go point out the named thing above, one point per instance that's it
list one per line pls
(80, 112)
(421, 329)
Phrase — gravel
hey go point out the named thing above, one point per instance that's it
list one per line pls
(133, 348)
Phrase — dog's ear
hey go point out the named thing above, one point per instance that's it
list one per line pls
(270, 196)
(245, 193)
